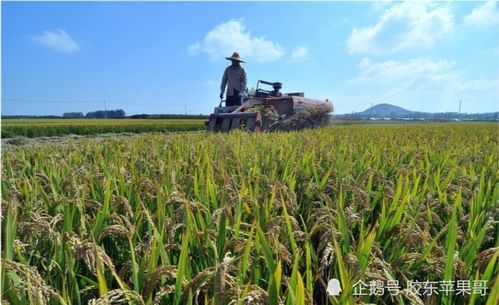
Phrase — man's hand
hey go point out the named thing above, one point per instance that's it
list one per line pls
(221, 96)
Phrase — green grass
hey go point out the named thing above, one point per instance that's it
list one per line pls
(33, 128)
(221, 218)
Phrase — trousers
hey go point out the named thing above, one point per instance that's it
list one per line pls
(233, 100)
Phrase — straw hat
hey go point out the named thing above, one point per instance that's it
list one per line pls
(235, 56)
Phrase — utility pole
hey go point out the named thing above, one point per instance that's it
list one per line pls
(105, 109)
(371, 114)
(459, 115)
(185, 109)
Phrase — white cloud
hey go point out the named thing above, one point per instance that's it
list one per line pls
(421, 73)
(396, 71)
(380, 5)
(484, 15)
(422, 84)
(480, 85)
(194, 48)
(300, 54)
(402, 26)
(57, 40)
(210, 83)
(232, 36)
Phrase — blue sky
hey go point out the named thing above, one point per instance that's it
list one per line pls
(168, 57)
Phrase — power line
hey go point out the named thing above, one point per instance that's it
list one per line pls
(148, 105)
(33, 101)
(49, 101)
(459, 116)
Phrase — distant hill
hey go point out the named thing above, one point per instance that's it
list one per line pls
(385, 110)
(388, 111)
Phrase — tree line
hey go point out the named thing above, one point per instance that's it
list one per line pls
(99, 114)
(102, 114)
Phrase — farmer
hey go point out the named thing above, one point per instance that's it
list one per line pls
(235, 80)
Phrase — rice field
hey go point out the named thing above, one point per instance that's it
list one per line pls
(33, 128)
(396, 214)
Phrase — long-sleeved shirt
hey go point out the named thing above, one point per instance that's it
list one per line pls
(235, 79)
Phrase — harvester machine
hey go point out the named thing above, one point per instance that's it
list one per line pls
(271, 110)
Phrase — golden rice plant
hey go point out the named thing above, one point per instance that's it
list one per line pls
(252, 218)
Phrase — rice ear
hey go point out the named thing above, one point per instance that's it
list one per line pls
(117, 297)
